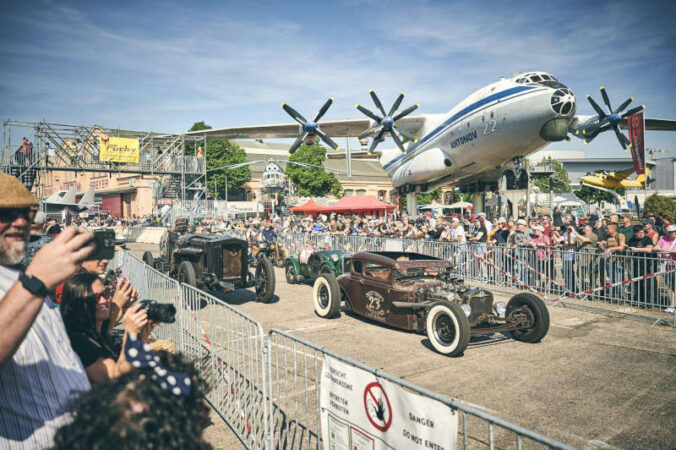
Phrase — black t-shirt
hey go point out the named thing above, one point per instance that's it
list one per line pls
(89, 350)
(501, 236)
(639, 243)
(483, 232)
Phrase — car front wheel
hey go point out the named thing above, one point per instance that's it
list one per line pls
(265, 280)
(447, 328)
(326, 295)
(186, 273)
(534, 311)
(148, 258)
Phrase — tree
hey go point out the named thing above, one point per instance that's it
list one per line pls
(590, 195)
(429, 197)
(224, 153)
(312, 181)
(659, 204)
(190, 146)
(560, 181)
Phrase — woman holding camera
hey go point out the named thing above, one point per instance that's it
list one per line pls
(86, 309)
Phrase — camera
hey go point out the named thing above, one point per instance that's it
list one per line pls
(104, 245)
(159, 312)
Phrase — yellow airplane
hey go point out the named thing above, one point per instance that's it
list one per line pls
(615, 180)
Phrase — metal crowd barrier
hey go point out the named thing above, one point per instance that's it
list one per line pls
(631, 283)
(266, 387)
(295, 380)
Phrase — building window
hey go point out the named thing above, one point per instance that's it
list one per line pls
(349, 192)
(448, 198)
(381, 196)
(361, 191)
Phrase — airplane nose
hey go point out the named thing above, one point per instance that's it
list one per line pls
(563, 102)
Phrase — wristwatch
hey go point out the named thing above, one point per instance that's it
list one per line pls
(33, 285)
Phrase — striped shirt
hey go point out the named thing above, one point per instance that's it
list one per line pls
(39, 382)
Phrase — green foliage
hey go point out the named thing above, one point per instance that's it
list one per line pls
(312, 181)
(659, 204)
(224, 153)
(199, 126)
(429, 197)
(595, 196)
(561, 183)
(190, 146)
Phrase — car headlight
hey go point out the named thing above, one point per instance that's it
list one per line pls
(466, 309)
(500, 308)
(334, 258)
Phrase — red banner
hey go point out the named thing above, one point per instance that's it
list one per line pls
(637, 138)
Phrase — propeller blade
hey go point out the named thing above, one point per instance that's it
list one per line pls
(297, 143)
(396, 104)
(327, 139)
(406, 134)
(624, 105)
(406, 112)
(376, 100)
(398, 141)
(323, 110)
(633, 111)
(376, 140)
(606, 100)
(368, 113)
(621, 137)
(368, 132)
(313, 166)
(293, 113)
(596, 107)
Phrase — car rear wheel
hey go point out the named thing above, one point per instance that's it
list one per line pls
(265, 280)
(148, 258)
(290, 272)
(186, 273)
(535, 310)
(326, 295)
(447, 328)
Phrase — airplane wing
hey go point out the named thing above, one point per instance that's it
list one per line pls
(654, 124)
(333, 128)
(619, 176)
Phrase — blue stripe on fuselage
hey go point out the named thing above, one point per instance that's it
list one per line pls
(458, 115)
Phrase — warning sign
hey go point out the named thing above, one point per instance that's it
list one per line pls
(359, 412)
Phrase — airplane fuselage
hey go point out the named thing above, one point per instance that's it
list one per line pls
(491, 127)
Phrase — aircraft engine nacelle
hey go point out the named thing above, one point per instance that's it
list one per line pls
(421, 170)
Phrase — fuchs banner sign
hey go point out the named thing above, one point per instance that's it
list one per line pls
(117, 149)
(635, 125)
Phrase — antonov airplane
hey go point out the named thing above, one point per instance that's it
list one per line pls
(479, 144)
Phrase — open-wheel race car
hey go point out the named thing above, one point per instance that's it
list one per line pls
(308, 268)
(213, 262)
(424, 294)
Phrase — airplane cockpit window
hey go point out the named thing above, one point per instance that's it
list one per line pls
(535, 78)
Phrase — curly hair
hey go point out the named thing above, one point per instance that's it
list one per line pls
(135, 412)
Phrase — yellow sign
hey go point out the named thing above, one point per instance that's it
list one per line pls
(118, 149)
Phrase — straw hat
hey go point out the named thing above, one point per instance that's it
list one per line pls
(14, 194)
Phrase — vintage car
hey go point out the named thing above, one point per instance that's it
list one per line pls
(424, 294)
(327, 261)
(212, 262)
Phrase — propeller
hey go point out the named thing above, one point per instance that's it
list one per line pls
(610, 119)
(310, 127)
(387, 122)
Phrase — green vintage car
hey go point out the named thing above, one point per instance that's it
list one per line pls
(327, 261)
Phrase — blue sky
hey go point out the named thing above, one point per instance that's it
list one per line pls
(163, 65)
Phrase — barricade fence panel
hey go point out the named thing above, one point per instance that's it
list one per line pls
(634, 283)
(295, 382)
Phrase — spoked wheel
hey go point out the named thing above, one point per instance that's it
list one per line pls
(326, 295)
(265, 280)
(148, 258)
(534, 312)
(447, 328)
(280, 258)
(290, 272)
(186, 273)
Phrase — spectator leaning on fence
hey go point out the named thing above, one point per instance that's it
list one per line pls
(640, 247)
(39, 372)
(667, 248)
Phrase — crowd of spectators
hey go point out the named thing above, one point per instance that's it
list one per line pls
(69, 381)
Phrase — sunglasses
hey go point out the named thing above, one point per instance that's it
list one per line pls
(11, 214)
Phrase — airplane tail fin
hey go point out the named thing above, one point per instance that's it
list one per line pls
(70, 196)
(88, 197)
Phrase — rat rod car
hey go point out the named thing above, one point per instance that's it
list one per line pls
(212, 262)
(327, 261)
(424, 294)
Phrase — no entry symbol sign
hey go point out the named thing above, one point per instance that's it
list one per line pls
(377, 405)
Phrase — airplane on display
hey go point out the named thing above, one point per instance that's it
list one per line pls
(615, 180)
(479, 145)
(62, 200)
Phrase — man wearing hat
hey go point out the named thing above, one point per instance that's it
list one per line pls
(40, 373)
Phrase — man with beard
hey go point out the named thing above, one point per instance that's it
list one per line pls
(40, 373)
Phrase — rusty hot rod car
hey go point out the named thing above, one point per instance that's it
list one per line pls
(424, 294)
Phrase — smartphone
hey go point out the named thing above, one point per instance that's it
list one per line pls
(104, 245)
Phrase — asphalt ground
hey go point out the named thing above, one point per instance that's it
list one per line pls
(595, 380)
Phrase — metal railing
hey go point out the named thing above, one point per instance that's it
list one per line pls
(266, 387)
